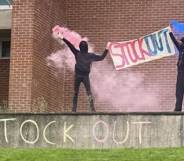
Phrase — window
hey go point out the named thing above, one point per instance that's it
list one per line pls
(5, 49)
(5, 43)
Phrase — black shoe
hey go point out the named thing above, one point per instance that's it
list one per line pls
(178, 109)
(93, 110)
(73, 110)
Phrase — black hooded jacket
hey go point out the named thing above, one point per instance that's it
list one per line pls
(180, 47)
(83, 58)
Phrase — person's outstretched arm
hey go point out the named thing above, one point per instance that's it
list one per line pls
(100, 57)
(71, 46)
(174, 40)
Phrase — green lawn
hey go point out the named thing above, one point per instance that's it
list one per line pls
(154, 154)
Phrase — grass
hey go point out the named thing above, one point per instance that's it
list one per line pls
(153, 154)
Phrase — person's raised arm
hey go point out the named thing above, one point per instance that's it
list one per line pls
(71, 46)
(100, 57)
(174, 40)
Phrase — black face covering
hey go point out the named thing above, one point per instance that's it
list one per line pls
(83, 46)
(182, 40)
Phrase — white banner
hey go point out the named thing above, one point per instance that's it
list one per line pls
(153, 46)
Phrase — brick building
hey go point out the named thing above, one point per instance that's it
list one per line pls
(27, 84)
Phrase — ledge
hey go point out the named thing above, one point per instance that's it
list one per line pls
(94, 113)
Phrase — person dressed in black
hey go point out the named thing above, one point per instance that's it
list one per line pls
(180, 72)
(84, 60)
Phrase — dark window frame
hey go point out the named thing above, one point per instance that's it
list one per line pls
(1, 48)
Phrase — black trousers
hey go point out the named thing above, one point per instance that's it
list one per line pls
(85, 80)
(179, 90)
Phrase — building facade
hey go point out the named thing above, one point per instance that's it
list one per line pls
(27, 84)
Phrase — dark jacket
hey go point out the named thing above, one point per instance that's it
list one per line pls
(84, 59)
(180, 47)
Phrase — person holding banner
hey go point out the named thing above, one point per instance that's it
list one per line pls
(84, 60)
(180, 71)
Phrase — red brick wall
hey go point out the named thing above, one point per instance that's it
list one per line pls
(4, 82)
(21, 56)
(104, 20)
(32, 84)
(33, 87)
(47, 90)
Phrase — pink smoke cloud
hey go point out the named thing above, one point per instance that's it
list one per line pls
(125, 92)
(71, 36)
(64, 57)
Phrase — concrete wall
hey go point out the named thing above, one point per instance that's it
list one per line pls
(92, 130)
(5, 19)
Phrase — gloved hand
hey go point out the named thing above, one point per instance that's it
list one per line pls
(57, 32)
(60, 35)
